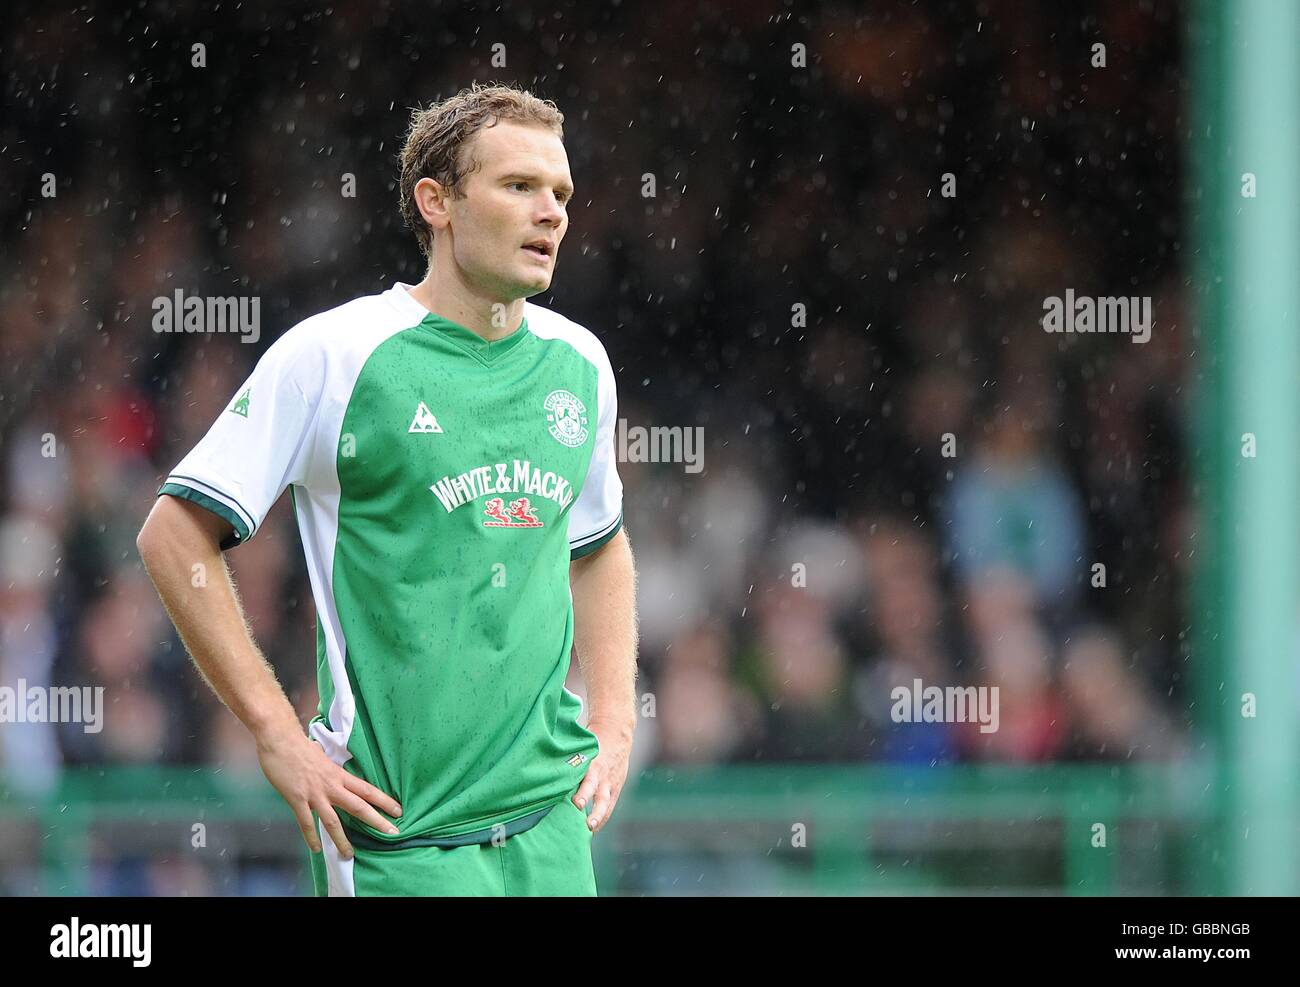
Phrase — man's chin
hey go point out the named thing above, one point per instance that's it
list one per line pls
(520, 286)
(534, 286)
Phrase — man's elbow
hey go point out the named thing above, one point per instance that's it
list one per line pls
(150, 538)
(172, 522)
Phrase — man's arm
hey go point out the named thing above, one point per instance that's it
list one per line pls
(605, 635)
(176, 539)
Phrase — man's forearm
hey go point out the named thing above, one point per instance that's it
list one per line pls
(605, 634)
(209, 619)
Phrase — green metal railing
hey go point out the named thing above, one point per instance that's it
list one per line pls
(772, 829)
(1243, 211)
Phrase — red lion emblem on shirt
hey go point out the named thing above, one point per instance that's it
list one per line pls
(520, 515)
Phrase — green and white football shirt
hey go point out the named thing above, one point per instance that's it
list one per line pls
(442, 484)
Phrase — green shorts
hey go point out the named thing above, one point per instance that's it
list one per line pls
(553, 858)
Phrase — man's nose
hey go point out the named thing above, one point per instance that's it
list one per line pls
(552, 211)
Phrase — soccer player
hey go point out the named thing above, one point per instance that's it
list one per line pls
(449, 451)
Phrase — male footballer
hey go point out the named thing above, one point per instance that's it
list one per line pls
(449, 451)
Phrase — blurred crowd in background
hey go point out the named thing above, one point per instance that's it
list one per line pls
(797, 286)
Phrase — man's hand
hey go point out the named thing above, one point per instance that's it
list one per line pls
(177, 538)
(309, 781)
(608, 773)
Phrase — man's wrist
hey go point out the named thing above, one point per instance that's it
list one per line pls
(620, 726)
(274, 725)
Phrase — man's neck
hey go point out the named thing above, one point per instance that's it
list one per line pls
(492, 320)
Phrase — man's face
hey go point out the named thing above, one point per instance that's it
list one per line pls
(505, 231)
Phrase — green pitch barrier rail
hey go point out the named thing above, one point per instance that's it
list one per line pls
(771, 829)
(1243, 211)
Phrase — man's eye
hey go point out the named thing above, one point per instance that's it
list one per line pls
(519, 185)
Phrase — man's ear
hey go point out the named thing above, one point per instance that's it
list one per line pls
(431, 199)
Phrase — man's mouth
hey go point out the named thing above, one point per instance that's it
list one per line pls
(539, 248)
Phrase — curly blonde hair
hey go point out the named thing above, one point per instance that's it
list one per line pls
(437, 139)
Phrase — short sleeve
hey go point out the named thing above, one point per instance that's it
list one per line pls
(261, 443)
(598, 513)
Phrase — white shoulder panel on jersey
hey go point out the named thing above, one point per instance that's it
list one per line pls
(282, 425)
(598, 513)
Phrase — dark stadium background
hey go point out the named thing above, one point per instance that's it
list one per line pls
(776, 186)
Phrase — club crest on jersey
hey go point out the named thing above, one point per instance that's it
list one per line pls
(520, 514)
(568, 418)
